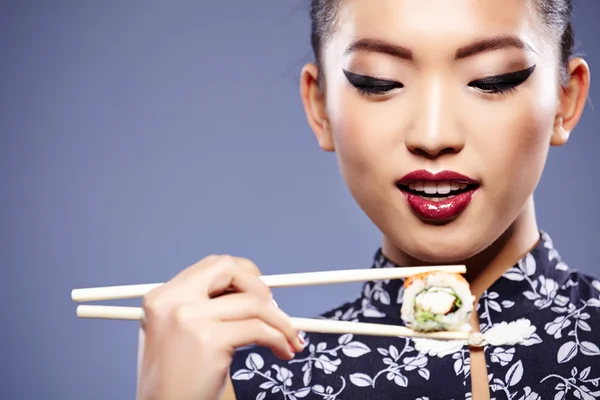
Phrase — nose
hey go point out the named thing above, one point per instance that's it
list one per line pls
(434, 131)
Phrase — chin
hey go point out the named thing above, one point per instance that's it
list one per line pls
(447, 244)
(441, 255)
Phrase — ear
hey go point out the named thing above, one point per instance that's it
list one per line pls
(573, 97)
(313, 98)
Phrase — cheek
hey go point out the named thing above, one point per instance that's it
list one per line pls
(360, 136)
(515, 146)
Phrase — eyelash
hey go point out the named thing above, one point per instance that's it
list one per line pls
(368, 86)
(499, 84)
(502, 84)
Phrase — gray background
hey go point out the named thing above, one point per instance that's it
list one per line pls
(139, 136)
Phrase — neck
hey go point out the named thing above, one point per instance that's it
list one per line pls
(486, 267)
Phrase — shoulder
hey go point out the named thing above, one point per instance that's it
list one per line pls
(560, 280)
(577, 289)
(573, 306)
(573, 319)
(589, 288)
(570, 333)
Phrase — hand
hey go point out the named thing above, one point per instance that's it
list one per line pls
(194, 323)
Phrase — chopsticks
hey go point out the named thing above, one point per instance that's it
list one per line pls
(278, 281)
(302, 324)
(275, 281)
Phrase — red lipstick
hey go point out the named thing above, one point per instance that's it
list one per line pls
(439, 197)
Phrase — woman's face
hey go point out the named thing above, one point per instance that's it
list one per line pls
(415, 88)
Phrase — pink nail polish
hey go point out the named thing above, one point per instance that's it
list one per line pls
(301, 340)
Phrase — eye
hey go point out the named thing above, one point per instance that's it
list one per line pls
(369, 86)
(501, 84)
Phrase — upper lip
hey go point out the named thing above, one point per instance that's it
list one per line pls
(442, 176)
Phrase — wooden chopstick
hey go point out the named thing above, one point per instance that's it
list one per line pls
(275, 281)
(302, 324)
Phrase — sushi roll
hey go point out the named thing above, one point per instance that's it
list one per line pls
(437, 301)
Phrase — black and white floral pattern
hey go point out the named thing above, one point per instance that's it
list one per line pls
(559, 359)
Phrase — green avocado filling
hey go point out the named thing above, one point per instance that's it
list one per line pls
(423, 316)
(456, 305)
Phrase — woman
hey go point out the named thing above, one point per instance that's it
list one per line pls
(441, 114)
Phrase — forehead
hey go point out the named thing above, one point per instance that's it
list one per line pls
(438, 22)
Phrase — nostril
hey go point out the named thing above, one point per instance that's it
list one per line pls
(433, 154)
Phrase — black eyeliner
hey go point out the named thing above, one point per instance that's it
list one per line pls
(505, 82)
(511, 77)
(369, 85)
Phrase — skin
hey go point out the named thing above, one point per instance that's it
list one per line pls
(194, 323)
(436, 121)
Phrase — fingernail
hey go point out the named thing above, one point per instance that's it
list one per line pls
(292, 350)
(275, 303)
(301, 340)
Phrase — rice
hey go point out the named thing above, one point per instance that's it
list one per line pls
(437, 301)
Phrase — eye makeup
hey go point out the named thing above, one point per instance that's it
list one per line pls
(369, 86)
(497, 84)
(501, 84)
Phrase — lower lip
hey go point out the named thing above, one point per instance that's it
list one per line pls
(442, 210)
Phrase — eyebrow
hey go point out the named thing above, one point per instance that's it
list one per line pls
(404, 53)
(380, 46)
(490, 44)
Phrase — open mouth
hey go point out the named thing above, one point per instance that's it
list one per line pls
(437, 191)
(437, 197)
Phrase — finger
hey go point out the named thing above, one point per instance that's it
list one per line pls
(188, 286)
(255, 331)
(216, 275)
(212, 259)
(185, 287)
(228, 274)
(240, 306)
(193, 269)
(248, 265)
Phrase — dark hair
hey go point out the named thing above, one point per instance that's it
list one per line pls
(556, 13)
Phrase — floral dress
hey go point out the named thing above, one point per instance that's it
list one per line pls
(559, 359)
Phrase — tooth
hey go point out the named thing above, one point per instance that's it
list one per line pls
(411, 186)
(454, 186)
(463, 185)
(419, 186)
(430, 187)
(443, 187)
